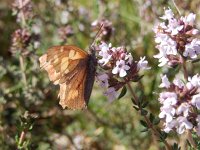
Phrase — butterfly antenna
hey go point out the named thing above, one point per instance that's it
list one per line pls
(97, 34)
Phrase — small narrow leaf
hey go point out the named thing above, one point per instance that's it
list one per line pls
(156, 121)
(133, 101)
(145, 130)
(176, 147)
(144, 112)
(123, 92)
(143, 123)
(151, 117)
(136, 108)
(163, 135)
(138, 78)
(145, 104)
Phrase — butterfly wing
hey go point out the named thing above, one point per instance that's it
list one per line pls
(67, 66)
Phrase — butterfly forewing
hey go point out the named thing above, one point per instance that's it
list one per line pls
(68, 67)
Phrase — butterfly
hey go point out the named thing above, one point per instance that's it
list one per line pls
(73, 69)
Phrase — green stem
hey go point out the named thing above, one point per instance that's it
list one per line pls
(150, 125)
(21, 60)
(21, 139)
(22, 14)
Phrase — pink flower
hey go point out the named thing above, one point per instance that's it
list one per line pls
(111, 94)
(168, 95)
(167, 113)
(166, 47)
(193, 81)
(183, 124)
(104, 48)
(190, 19)
(121, 68)
(168, 14)
(103, 79)
(192, 49)
(129, 58)
(184, 109)
(170, 125)
(196, 101)
(143, 64)
(165, 82)
(178, 82)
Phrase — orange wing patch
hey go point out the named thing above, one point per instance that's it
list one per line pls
(66, 66)
(72, 92)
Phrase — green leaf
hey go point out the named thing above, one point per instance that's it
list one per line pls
(156, 121)
(151, 117)
(145, 130)
(137, 78)
(163, 135)
(145, 104)
(133, 101)
(176, 147)
(144, 123)
(144, 112)
(123, 92)
(136, 108)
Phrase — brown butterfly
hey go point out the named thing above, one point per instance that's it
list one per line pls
(73, 69)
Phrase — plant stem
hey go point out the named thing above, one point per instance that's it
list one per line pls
(150, 125)
(191, 140)
(21, 60)
(176, 7)
(185, 72)
(21, 139)
(23, 17)
(133, 93)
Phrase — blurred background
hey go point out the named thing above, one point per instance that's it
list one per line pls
(30, 116)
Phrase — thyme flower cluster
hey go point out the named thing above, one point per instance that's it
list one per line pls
(176, 39)
(180, 103)
(118, 68)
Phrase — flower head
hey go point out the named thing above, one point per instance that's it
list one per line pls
(178, 102)
(120, 68)
(117, 68)
(175, 39)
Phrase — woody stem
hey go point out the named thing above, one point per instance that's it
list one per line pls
(185, 72)
(150, 125)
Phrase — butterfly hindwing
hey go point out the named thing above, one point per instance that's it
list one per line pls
(72, 92)
(68, 67)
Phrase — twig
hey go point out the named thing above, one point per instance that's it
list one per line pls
(185, 72)
(133, 94)
(21, 139)
(176, 7)
(150, 125)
